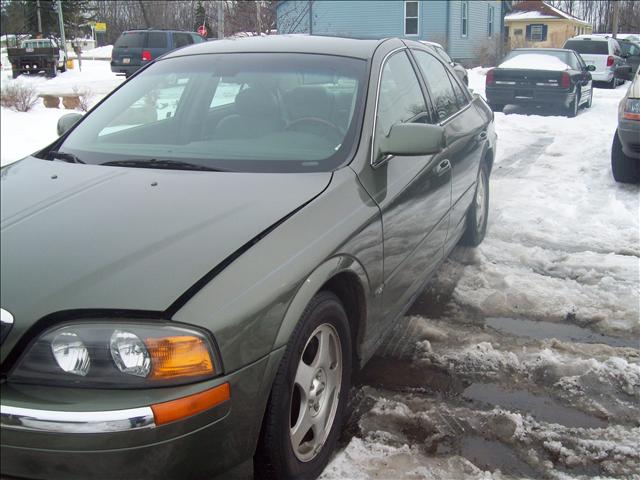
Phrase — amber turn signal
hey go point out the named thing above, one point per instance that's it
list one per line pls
(186, 406)
(179, 356)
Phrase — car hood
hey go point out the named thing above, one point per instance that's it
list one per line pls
(93, 237)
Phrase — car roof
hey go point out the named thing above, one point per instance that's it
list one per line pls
(592, 38)
(316, 44)
(542, 50)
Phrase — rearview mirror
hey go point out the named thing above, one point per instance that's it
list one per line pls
(591, 68)
(67, 121)
(413, 139)
(624, 72)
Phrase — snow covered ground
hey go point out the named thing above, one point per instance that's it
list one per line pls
(25, 133)
(522, 360)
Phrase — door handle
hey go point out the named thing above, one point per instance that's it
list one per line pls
(443, 166)
(483, 136)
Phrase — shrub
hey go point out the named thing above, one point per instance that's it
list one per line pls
(85, 95)
(19, 96)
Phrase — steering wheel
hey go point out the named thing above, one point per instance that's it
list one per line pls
(318, 121)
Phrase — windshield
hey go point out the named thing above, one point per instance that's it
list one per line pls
(39, 43)
(594, 47)
(238, 112)
(565, 57)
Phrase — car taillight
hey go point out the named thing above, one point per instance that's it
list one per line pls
(490, 79)
(610, 61)
(146, 55)
(566, 83)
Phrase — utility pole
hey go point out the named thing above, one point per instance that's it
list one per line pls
(220, 19)
(259, 17)
(616, 15)
(39, 17)
(61, 24)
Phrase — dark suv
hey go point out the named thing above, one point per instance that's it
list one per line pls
(135, 48)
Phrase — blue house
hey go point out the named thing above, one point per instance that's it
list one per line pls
(470, 30)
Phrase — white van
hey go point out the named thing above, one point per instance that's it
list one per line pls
(603, 52)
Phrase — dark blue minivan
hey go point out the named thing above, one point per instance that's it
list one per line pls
(135, 48)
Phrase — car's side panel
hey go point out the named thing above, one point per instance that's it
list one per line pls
(255, 292)
(466, 136)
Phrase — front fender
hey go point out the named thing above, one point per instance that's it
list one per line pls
(313, 284)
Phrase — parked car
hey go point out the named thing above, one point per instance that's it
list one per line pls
(442, 53)
(191, 271)
(602, 52)
(543, 77)
(136, 48)
(630, 53)
(37, 55)
(625, 151)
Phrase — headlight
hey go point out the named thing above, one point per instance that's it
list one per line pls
(119, 355)
(631, 109)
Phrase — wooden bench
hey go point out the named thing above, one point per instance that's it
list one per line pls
(70, 101)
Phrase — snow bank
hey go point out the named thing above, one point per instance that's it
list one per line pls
(535, 61)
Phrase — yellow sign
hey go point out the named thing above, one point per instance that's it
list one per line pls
(101, 27)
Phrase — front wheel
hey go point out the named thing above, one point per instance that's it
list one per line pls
(478, 213)
(624, 169)
(304, 415)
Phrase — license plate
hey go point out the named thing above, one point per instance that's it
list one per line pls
(126, 60)
(29, 50)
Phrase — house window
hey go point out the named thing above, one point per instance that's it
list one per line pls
(537, 32)
(411, 18)
(517, 31)
(491, 17)
(464, 19)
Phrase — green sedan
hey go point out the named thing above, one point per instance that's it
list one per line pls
(191, 273)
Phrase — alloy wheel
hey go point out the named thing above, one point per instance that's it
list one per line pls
(316, 391)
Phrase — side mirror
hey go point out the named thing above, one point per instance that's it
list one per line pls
(624, 72)
(413, 139)
(591, 68)
(67, 121)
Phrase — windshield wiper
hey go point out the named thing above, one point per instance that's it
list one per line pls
(166, 164)
(67, 157)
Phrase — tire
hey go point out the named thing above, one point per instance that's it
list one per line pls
(53, 72)
(611, 83)
(63, 68)
(287, 451)
(496, 107)
(478, 213)
(572, 109)
(590, 102)
(624, 168)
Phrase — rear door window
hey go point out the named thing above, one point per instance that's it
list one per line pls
(588, 47)
(131, 40)
(181, 39)
(157, 40)
(438, 80)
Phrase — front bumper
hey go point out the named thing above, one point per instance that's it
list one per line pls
(629, 134)
(509, 95)
(78, 436)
